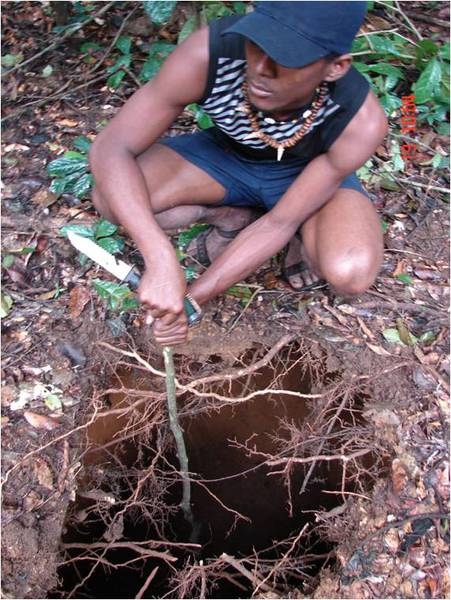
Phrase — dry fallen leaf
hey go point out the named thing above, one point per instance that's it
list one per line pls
(40, 421)
(378, 350)
(399, 475)
(44, 198)
(79, 297)
(68, 123)
(43, 472)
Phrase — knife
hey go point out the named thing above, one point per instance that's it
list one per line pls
(124, 272)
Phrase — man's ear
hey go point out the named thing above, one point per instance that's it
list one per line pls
(338, 67)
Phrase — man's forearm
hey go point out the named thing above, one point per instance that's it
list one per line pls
(121, 183)
(269, 234)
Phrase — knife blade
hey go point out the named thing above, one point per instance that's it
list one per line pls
(121, 270)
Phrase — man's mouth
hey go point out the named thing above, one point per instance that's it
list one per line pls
(259, 90)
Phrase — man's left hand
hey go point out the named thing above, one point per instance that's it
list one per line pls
(173, 334)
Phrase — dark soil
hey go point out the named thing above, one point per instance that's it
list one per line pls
(384, 531)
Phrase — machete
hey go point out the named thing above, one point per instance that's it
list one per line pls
(124, 272)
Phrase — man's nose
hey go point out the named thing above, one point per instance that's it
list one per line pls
(265, 66)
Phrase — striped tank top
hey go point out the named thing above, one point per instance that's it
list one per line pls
(223, 101)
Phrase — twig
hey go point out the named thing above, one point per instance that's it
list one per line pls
(56, 96)
(111, 46)
(433, 20)
(409, 22)
(61, 39)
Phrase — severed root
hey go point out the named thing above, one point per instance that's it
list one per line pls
(174, 424)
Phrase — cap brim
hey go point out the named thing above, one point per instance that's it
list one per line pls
(285, 46)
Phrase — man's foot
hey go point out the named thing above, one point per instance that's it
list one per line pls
(296, 269)
(226, 224)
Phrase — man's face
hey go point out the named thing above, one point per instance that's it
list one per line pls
(274, 88)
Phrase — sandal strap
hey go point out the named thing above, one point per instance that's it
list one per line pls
(229, 235)
(201, 246)
(295, 269)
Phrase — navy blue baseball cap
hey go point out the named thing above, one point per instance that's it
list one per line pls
(297, 33)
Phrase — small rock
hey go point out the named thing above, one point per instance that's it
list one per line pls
(423, 379)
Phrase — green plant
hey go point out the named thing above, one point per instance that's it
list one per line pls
(158, 53)
(102, 232)
(71, 171)
(122, 61)
(118, 295)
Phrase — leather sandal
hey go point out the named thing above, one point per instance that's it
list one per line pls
(201, 242)
(297, 269)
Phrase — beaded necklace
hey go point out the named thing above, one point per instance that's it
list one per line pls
(309, 115)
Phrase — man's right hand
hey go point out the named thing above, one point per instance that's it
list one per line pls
(162, 291)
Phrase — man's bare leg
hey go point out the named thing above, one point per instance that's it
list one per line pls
(174, 184)
(341, 243)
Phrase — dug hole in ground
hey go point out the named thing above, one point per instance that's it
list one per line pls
(304, 479)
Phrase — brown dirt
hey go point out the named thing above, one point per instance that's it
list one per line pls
(383, 546)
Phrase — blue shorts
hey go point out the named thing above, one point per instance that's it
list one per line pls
(259, 183)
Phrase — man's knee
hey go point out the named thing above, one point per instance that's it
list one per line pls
(101, 206)
(353, 273)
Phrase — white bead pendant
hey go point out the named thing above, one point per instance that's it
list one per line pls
(280, 151)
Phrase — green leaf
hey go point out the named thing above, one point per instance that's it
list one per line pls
(123, 61)
(426, 49)
(392, 335)
(427, 337)
(186, 236)
(149, 69)
(53, 402)
(124, 43)
(131, 303)
(160, 11)
(8, 261)
(444, 51)
(114, 293)
(82, 186)
(384, 226)
(405, 336)
(386, 69)
(383, 45)
(436, 161)
(74, 154)
(103, 228)
(47, 71)
(161, 49)
(28, 250)
(215, 10)
(82, 143)
(58, 186)
(190, 274)
(240, 8)
(187, 29)
(6, 304)
(113, 245)
(114, 81)
(242, 292)
(404, 278)
(88, 47)
(428, 82)
(10, 60)
(83, 230)
(65, 166)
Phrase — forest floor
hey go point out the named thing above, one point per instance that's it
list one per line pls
(317, 426)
